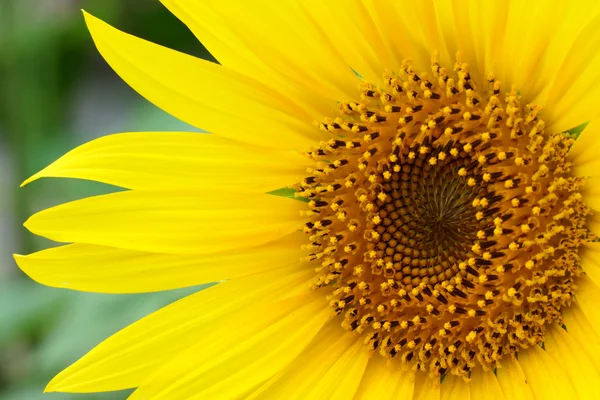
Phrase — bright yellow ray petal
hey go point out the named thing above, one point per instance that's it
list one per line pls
(537, 40)
(474, 29)
(574, 360)
(170, 160)
(239, 354)
(170, 222)
(269, 40)
(587, 298)
(383, 380)
(426, 388)
(572, 99)
(546, 378)
(354, 34)
(305, 372)
(485, 386)
(204, 94)
(590, 261)
(93, 268)
(512, 380)
(585, 150)
(455, 388)
(580, 329)
(125, 359)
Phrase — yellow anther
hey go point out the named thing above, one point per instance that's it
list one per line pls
(471, 336)
(462, 171)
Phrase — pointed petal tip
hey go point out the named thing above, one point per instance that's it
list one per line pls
(32, 178)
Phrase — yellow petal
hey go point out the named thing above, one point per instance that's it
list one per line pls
(93, 268)
(485, 386)
(512, 380)
(546, 377)
(171, 160)
(584, 152)
(474, 29)
(383, 380)
(271, 41)
(455, 388)
(239, 354)
(426, 388)
(204, 94)
(590, 261)
(331, 367)
(354, 34)
(577, 364)
(170, 222)
(573, 97)
(305, 372)
(586, 335)
(587, 298)
(538, 38)
(125, 359)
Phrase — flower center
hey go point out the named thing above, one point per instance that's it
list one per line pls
(444, 220)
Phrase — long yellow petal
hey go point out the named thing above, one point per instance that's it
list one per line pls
(455, 388)
(170, 222)
(586, 335)
(272, 41)
(204, 94)
(172, 160)
(125, 359)
(239, 354)
(573, 97)
(426, 388)
(537, 39)
(574, 360)
(310, 367)
(385, 381)
(590, 261)
(354, 34)
(587, 298)
(584, 152)
(93, 268)
(512, 380)
(485, 386)
(546, 378)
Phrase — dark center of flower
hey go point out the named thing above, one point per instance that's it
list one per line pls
(444, 220)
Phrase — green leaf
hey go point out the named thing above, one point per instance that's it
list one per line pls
(290, 193)
(575, 132)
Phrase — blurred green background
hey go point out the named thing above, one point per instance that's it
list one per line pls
(56, 93)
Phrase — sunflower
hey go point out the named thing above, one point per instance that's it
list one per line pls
(391, 195)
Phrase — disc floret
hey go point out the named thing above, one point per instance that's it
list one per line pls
(444, 219)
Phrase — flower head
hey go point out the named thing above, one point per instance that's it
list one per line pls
(431, 235)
